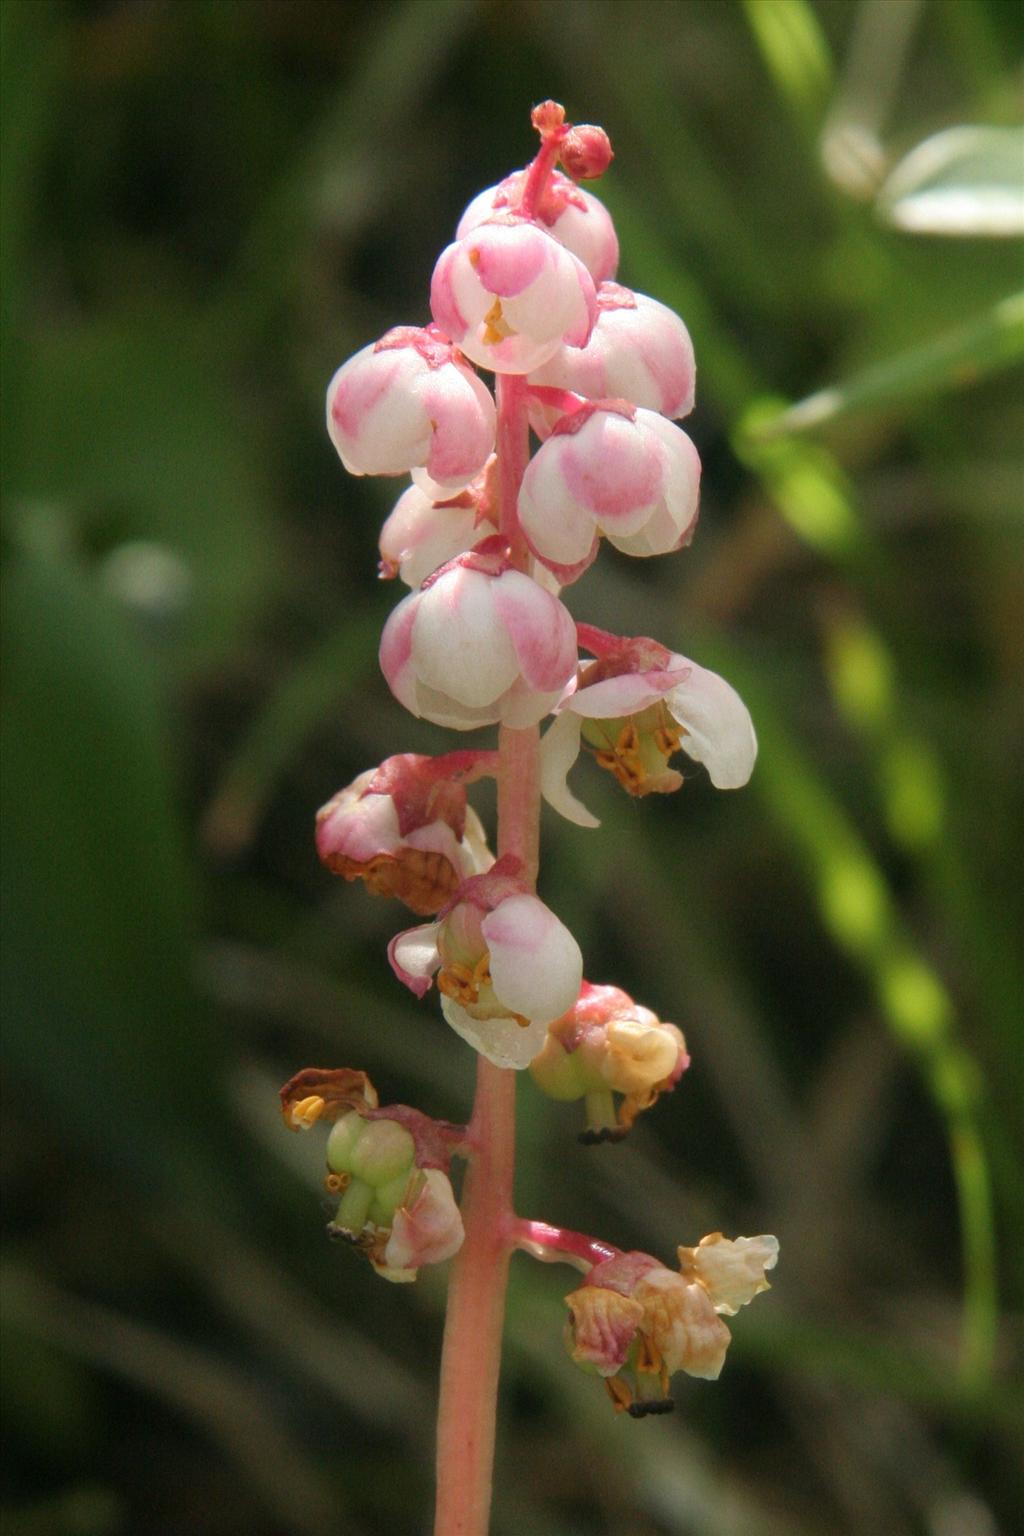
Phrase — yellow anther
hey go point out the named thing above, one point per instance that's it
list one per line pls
(522, 1021)
(337, 1183)
(628, 739)
(482, 971)
(306, 1112)
(458, 981)
(666, 740)
(496, 327)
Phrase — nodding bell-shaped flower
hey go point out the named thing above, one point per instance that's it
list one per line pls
(390, 1167)
(479, 643)
(607, 1044)
(636, 1323)
(575, 218)
(424, 532)
(506, 967)
(410, 402)
(639, 351)
(406, 830)
(635, 707)
(509, 295)
(609, 468)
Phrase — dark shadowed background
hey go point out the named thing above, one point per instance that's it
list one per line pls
(209, 204)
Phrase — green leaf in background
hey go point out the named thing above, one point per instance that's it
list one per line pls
(963, 181)
(955, 360)
(99, 900)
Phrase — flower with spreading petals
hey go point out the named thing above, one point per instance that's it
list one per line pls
(425, 531)
(505, 965)
(635, 707)
(479, 643)
(639, 351)
(410, 402)
(636, 1323)
(406, 830)
(607, 1044)
(609, 469)
(575, 218)
(390, 1167)
(509, 295)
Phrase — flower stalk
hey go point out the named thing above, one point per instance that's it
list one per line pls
(487, 539)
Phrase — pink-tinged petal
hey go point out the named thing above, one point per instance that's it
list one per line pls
(626, 694)
(460, 644)
(559, 749)
(536, 965)
(396, 652)
(541, 630)
(428, 1230)
(557, 528)
(357, 827)
(614, 469)
(718, 729)
(503, 1040)
(461, 411)
(414, 957)
(444, 304)
(603, 1326)
(508, 258)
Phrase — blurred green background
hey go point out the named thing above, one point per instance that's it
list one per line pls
(208, 204)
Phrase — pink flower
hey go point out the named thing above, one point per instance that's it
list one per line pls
(479, 643)
(639, 351)
(509, 295)
(406, 830)
(575, 218)
(423, 532)
(505, 964)
(409, 401)
(635, 707)
(604, 1044)
(614, 470)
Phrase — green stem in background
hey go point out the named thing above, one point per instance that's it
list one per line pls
(471, 1353)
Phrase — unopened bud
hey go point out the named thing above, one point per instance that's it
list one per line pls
(586, 152)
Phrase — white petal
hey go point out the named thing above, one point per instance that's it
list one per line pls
(559, 749)
(536, 964)
(502, 1040)
(719, 730)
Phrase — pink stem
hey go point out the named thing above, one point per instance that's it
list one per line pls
(471, 1353)
(560, 1245)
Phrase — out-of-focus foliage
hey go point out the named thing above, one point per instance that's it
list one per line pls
(207, 205)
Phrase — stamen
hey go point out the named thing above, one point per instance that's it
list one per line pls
(496, 327)
(305, 1114)
(618, 1391)
(457, 981)
(337, 1183)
